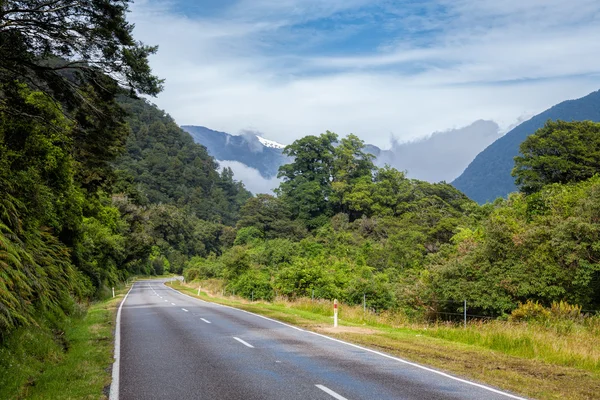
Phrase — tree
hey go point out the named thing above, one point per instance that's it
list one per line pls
(56, 45)
(307, 180)
(350, 166)
(271, 216)
(560, 152)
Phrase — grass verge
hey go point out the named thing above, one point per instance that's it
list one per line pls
(67, 359)
(535, 361)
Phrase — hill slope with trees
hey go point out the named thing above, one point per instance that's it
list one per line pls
(489, 175)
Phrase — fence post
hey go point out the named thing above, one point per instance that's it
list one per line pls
(313, 295)
(199, 286)
(465, 312)
(252, 298)
(335, 313)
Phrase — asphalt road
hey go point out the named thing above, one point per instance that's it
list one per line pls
(175, 347)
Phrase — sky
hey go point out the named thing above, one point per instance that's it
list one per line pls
(388, 71)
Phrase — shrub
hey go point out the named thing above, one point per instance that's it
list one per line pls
(530, 311)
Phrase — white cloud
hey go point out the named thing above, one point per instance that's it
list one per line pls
(487, 60)
(251, 178)
(442, 156)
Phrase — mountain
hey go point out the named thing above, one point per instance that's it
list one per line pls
(441, 156)
(488, 176)
(249, 149)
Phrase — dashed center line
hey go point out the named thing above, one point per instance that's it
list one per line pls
(331, 392)
(207, 321)
(172, 304)
(166, 301)
(184, 310)
(243, 342)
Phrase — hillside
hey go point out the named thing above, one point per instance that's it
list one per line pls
(164, 165)
(489, 175)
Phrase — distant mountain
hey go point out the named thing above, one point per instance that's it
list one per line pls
(249, 149)
(441, 156)
(488, 176)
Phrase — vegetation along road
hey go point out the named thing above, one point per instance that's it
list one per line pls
(175, 346)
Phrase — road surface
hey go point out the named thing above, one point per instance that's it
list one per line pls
(172, 346)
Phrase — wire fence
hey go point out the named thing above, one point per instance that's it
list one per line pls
(455, 311)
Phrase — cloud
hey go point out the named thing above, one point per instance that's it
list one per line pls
(443, 156)
(289, 68)
(253, 143)
(251, 178)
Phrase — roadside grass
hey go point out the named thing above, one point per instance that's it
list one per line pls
(66, 359)
(559, 360)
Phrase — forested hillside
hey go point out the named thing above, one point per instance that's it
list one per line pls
(95, 183)
(488, 176)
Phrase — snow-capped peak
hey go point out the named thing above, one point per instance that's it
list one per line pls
(270, 143)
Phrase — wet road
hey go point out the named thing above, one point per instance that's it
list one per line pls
(175, 347)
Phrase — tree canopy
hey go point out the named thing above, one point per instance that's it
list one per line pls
(560, 152)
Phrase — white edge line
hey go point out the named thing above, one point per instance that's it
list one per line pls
(331, 392)
(367, 349)
(184, 310)
(243, 342)
(205, 320)
(114, 385)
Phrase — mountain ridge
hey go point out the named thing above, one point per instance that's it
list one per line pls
(488, 176)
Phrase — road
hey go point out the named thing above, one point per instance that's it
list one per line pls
(172, 346)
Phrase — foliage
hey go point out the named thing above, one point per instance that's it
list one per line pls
(56, 44)
(164, 165)
(560, 152)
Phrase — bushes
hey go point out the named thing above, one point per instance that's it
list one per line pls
(558, 311)
(253, 284)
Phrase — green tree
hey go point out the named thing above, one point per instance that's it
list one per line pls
(271, 216)
(57, 45)
(306, 182)
(560, 152)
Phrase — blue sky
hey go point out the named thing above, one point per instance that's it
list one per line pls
(378, 68)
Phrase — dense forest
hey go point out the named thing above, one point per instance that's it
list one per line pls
(342, 228)
(96, 184)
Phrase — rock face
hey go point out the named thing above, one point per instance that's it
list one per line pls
(488, 176)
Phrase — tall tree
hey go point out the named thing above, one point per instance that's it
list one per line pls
(307, 180)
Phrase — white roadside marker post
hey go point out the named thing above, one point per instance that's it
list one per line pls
(113, 291)
(335, 313)
(199, 290)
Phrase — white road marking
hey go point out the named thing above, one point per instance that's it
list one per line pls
(114, 386)
(207, 321)
(184, 310)
(172, 304)
(166, 301)
(331, 392)
(243, 342)
(490, 389)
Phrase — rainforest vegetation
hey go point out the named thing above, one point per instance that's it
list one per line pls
(97, 185)
(341, 228)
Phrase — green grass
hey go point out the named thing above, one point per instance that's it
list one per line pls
(559, 360)
(68, 359)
